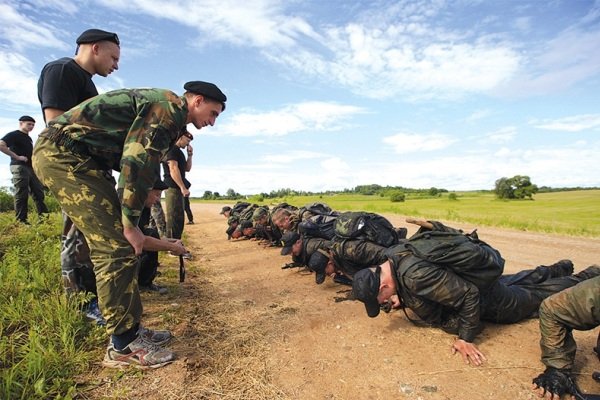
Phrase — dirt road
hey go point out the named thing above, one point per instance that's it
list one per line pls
(246, 329)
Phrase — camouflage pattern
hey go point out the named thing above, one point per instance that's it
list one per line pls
(578, 308)
(350, 256)
(76, 265)
(24, 182)
(126, 130)
(174, 213)
(309, 246)
(442, 298)
(158, 221)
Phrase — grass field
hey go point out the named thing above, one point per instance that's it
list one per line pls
(573, 213)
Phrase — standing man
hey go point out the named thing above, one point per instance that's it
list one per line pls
(175, 166)
(63, 84)
(128, 130)
(19, 146)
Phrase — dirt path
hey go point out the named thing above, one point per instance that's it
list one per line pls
(247, 329)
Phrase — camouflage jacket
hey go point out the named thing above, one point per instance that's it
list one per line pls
(577, 307)
(436, 294)
(352, 255)
(128, 130)
(309, 246)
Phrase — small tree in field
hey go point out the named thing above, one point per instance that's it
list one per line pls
(397, 196)
(517, 187)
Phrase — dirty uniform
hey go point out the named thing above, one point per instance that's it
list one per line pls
(457, 304)
(310, 246)
(127, 130)
(352, 255)
(577, 307)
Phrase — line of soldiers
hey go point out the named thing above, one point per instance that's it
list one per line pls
(447, 278)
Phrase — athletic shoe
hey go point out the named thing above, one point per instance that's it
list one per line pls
(154, 337)
(191, 223)
(139, 354)
(154, 288)
(92, 311)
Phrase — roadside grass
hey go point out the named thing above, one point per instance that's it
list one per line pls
(572, 213)
(44, 341)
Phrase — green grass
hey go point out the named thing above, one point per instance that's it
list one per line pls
(573, 213)
(44, 341)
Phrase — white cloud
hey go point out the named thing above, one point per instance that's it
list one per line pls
(574, 123)
(307, 116)
(404, 143)
(290, 157)
(18, 82)
(502, 135)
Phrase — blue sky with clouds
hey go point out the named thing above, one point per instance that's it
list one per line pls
(334, 94)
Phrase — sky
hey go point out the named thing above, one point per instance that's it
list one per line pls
(327, 95)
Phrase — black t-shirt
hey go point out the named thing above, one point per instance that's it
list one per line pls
(63, 84)
(175, 154)
(21, 144)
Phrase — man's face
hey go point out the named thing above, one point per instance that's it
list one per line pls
(203, 112)
(153, 196)
(26, 126)
(249, 231)
(284, 223)
(330, 268)
(262, 220)
(106, 58)
(385, 294)
(226, 214)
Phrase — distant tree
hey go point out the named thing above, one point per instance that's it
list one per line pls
(452, 196)
(397, 196)
(216, 195)
(517, 187)
(208, 195)
(433, 191)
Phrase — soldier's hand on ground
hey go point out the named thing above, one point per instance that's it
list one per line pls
(469, 352)
(552, 384)
(136, 238)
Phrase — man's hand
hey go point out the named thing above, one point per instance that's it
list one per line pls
(21, 158)
(185, 192)
(469, 352)
(177, 248)
(135, 237)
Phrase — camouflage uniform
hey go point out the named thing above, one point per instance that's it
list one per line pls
(125, 130)
(158, 219)
(350, 256)
(578, 308)
(175, 212)
(309, 246)
(458, 304)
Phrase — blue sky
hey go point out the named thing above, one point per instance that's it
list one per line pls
(334, 94)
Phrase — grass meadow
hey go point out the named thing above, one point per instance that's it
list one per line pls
(573, 213)
(45, 343)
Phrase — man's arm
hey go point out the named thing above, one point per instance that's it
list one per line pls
(188, 162)
(6, 150)
(174, 246)
(176, 176)
(51, 113)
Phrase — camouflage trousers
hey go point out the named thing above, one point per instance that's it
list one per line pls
(578, 308)
(87, 195)
(158, 219)
(25, 182)
(175, 213)
(76, 266)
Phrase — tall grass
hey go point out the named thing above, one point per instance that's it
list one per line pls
(574, 213)
(44, 341)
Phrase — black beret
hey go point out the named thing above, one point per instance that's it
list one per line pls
(26, 118)
(97, 35)
(206, 89)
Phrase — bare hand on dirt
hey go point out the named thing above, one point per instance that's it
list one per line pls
(469, 352)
